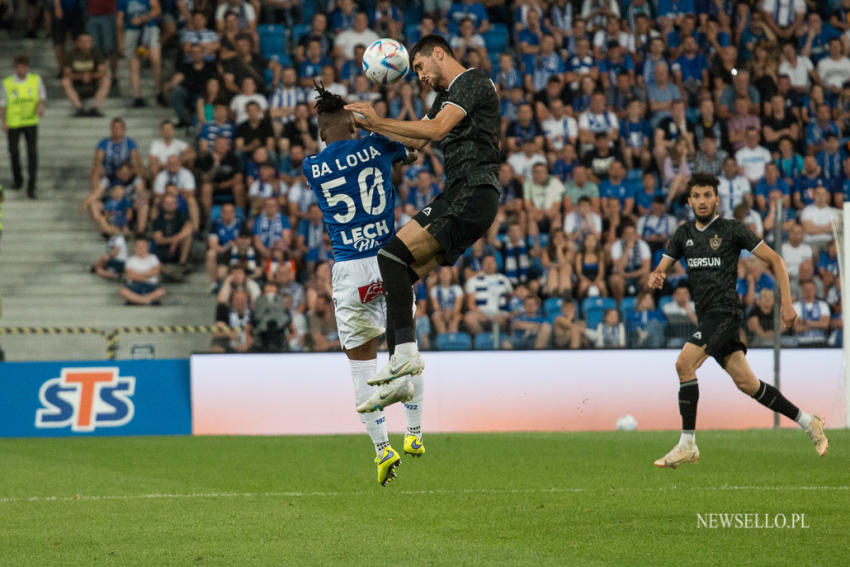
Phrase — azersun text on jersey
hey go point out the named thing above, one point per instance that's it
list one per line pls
(352, 180)
(711, 255)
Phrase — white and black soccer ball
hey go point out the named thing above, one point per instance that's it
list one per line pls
(626, 423)
(385, 62)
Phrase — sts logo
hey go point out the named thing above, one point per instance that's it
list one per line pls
(86, 398)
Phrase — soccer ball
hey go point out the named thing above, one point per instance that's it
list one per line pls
(626, 423)
(385, 61)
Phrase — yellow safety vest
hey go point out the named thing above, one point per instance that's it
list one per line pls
(21, 101)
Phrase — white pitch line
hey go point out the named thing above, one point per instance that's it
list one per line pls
(333, 494)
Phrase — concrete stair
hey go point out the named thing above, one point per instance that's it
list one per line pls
(47, 245)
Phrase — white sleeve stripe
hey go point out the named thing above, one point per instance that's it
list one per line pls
(668, 256)
(753, 249)
(454, 104)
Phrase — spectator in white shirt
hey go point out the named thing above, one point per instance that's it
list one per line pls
(784, 17)
(733, 189)
(169, 145)
(543, 195)
(177, 175)
(799, 68)
(630, 257)
(752, 157)
(142, 274)
(239, 103)
(582, 221)
(523, 162)
(812, 320)
(559, 129)
(817, 220)
(484, 296)
(834, 70)
(795, 250)
(360, 34)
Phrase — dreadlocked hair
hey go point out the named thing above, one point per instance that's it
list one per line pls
(327, 102)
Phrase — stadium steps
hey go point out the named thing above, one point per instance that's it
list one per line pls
(47, 245)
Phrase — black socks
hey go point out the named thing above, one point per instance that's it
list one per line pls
(772, 398)
(688, 397)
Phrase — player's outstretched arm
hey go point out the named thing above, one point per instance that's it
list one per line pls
(419, 130)
(659, 274)
(777, 264)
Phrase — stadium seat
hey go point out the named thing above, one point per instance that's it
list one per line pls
(552, 306)
(411, 30)
(308, 10)
(272, 40)
(664, 300)
(484, 341)
(593, 316)
(603, 303)
(299, 31)
(627, 304)
(454, 341)
(496, 38)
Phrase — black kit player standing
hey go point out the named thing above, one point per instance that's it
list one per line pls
(465, 119)
(711, 246)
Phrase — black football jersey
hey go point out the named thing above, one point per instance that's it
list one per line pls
(711, 256)
(471, 148)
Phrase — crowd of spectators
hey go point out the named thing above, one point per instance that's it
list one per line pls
(607, 110)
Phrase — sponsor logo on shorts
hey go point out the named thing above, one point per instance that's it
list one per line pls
(370, 292)
(698, 335)
(426, 211)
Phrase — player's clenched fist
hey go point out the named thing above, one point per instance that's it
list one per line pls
(656, 279)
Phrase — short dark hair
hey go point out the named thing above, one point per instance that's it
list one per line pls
(426, 46)
(22, 60)
(703, 180)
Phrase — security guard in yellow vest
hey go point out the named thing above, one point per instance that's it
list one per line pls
(22, 101)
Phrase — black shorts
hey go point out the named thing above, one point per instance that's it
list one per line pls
(719, 333)
(459, 216)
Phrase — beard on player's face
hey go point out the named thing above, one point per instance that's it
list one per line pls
(704, 212)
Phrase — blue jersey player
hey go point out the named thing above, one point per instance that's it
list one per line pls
(352, 180)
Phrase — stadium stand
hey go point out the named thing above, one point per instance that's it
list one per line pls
(620, 108)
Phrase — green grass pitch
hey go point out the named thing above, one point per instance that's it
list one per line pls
(500, 499)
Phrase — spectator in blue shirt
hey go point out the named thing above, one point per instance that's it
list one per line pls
(805, 184)
(506, 76)
(223, 233)
(343, 17)
(830, 162)
(690, 70)
(541, 67)
(310, 235)
(475, 11)
(220, 126)
(820, 128)
(815, 42)
(530, 328)
(422, 193)
(771, 181)
(269, 227)
(645, 324)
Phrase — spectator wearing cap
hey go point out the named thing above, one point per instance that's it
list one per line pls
(84, 76)
(141, 274)
(22, 101)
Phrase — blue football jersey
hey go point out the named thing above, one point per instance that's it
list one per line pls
(352, 180)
